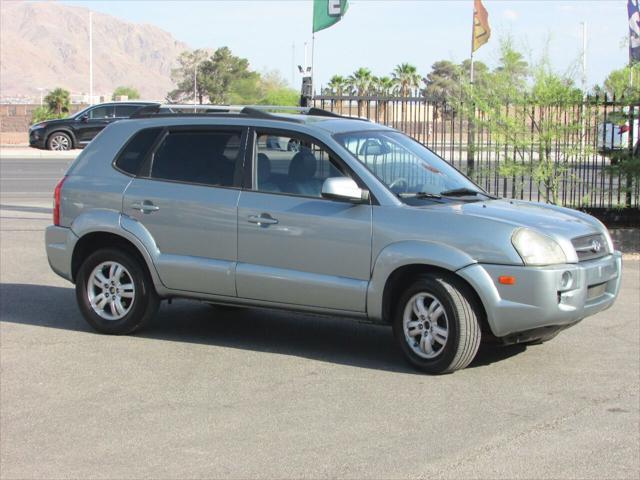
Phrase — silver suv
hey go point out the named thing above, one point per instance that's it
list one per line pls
(313, 212)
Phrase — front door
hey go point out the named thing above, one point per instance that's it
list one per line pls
(187, 201)
(90, 124)
(295, 247)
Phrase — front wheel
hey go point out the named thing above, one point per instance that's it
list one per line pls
(115, 292)
(59, 141)
(437, 324)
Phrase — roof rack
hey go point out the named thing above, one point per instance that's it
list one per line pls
(251, 111)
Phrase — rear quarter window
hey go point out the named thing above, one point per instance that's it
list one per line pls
(131, 157)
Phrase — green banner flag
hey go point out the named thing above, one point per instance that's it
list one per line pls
(327, 12)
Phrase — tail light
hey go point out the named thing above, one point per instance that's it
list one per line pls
(624, 128)
(56, 201)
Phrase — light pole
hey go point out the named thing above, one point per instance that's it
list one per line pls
(40, 89)
(90, 58)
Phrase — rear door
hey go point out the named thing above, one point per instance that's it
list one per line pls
(295, 247)
(186, 199)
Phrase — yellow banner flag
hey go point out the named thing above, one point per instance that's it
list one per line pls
(481, 29)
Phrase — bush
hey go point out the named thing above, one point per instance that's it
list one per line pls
(43, 113)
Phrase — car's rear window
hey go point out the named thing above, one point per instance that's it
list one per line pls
(131, 158)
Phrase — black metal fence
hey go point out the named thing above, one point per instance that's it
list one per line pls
(582, 155)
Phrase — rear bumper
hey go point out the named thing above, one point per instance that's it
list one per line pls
(539, 299)
(60, 242)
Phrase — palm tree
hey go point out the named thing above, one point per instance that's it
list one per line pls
(360, 81)
(406, 77)
(337, 86)
(58, 101)
(385, 87)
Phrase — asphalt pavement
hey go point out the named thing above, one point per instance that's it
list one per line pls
(247, 393)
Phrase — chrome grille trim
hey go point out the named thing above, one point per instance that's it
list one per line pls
(589, 247)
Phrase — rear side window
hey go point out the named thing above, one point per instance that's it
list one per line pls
(202, 157)
(131, 158)
(124, 111)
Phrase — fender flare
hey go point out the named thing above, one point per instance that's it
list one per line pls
(113, 222)
(402, 254)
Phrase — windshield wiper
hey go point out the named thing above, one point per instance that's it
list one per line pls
(419, 195)
(463, 192)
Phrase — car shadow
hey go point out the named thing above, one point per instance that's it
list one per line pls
(326, 339)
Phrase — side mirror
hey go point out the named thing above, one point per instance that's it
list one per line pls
(84, 118)
(344, 188)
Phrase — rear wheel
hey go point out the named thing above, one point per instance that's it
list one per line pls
(59, 141)
(115, 292)
(436, 324)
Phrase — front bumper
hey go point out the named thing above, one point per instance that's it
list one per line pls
(539, 299)
(37, 138)
(60, 242)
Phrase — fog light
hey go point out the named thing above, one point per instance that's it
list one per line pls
(566, 281)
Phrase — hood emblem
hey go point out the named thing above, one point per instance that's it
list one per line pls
(596, 246)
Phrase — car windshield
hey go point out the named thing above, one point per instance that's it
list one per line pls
(407, 168)
(80, 113)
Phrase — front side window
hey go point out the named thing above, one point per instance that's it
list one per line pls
(292, 164)
(201, 157)
(406, 167)
(105, 111)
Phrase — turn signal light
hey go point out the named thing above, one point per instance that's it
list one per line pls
(506, 280)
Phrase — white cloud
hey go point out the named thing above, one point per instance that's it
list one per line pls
(510, 15)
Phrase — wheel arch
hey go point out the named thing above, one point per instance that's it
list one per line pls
(94, 240)
(399, 264)
(66, 130)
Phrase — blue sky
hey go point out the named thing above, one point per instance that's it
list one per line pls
(379, 34)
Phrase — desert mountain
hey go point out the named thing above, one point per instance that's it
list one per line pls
(45, 44)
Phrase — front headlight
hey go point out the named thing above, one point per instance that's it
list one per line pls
(537, 249)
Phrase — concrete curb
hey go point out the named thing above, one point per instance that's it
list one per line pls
(34, 153)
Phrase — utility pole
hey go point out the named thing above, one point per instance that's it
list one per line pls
(90, 58)
(584, 57)
(195, 80)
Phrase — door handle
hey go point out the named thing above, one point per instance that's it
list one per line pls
(145, 207)
(262, 220)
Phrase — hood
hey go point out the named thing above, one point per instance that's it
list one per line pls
(46, 123)
(546, 219)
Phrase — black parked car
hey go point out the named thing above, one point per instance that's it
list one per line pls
(78, 130)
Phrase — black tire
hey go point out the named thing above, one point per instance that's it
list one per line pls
(141, 308)
(462, 314)
(59, 141)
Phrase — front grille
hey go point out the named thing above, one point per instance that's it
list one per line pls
(590, 246)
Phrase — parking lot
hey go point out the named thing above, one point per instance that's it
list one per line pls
(238, 393)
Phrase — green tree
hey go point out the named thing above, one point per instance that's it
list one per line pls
(183, 76)
(525, 117)
(221, 71)
(406, 77)
(58, 101)
(123, 91)
(624, 83)
(443, 82)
